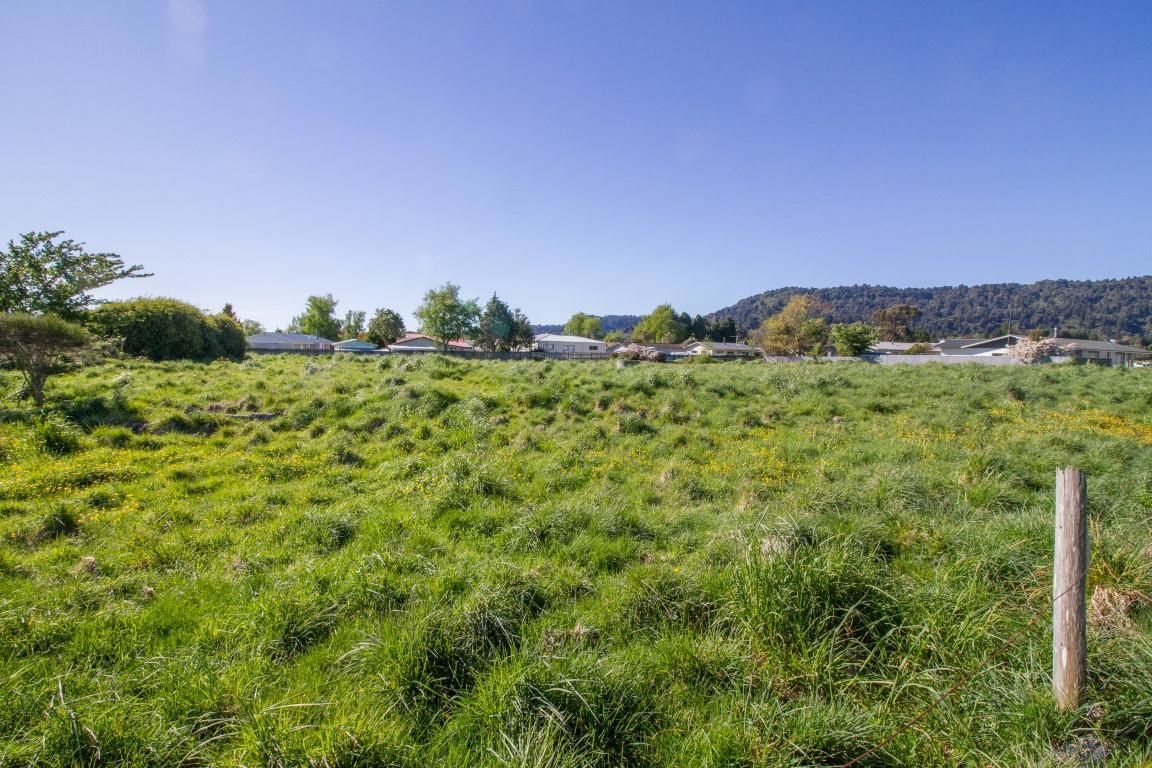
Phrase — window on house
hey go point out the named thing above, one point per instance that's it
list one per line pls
(592, 347)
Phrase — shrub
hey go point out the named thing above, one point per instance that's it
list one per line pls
(230, 341)
(39, 347)
(167, 329)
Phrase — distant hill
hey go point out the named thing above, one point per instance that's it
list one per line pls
(1102, 309)
(608, 323)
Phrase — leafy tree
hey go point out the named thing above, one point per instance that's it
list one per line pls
(614, 337)
(39, 347)
(495, 325)
(724, 330)
(852, 339)
(41, 276)
(167, 329)
(895, 322)
(522, 336)
(385, 327)
(444, 316)
(662, 326)
(798, 329)
(501, 329)
(353, 325)
(228, 311)
(252, 327)
(319, 318)
(1032, 352)
(581, 324)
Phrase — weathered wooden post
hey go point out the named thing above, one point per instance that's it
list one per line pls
(1069, 573)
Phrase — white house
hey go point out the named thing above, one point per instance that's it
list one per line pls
(723, 349)
(1102, 352)
(1099, 352)
(571, 346)
(288, 342)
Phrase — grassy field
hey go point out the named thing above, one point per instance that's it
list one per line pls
(429, 561)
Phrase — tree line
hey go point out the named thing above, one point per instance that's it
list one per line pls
(443, 315)
(663, 325)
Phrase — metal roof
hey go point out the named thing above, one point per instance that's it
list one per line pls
(955, 343)
(287, 338)
(1098, 346)
(562, 339)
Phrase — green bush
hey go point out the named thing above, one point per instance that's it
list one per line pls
(166, 329)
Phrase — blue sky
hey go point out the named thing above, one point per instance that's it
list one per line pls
(578, 155)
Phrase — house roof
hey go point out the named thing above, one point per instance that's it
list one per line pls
(1006, 340)
(893, 346)
(354, 344)
(560, 338)
(955, 343)
(286, 338)
(1089, 345)
(669, 349)
(408, 337)
(729, 346)
(722, 346)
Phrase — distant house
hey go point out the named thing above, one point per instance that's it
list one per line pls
(996, 347)
(355, 346)
(1102, 352)
(721, 349)
(573, 346)
(419, 342)
(289, 342)
(1099, 352)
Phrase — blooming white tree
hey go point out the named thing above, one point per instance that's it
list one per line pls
(1034, 352)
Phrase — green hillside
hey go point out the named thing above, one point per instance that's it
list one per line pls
(429, 561)
(1100, 309)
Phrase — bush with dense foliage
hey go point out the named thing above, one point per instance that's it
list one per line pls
(167, 329)
(37, 347)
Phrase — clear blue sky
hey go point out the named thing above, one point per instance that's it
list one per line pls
(601, 156)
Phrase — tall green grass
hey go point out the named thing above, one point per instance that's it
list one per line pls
(428, 560)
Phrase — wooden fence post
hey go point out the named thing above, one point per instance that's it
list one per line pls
(1069, 573)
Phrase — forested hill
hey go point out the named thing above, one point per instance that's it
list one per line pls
(1103, 309)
